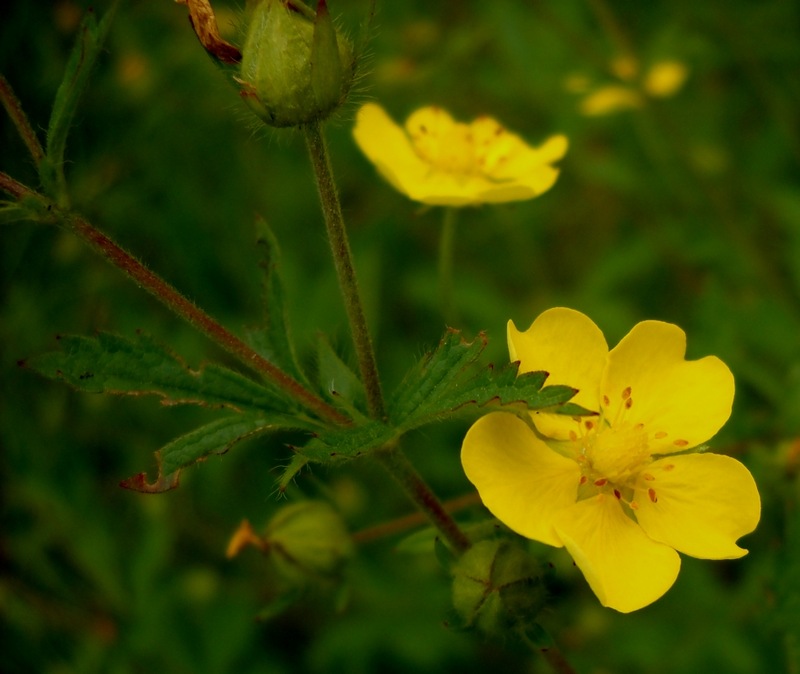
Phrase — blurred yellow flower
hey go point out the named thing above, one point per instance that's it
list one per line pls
(438, 161)
(661, 80)
(619, 490)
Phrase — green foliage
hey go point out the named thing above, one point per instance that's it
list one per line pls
(114, 364)
(684, 210)
(448, 382)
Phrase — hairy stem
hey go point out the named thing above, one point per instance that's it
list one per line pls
(345, 271)
(17, 114)
(175, 301)
(395, 462)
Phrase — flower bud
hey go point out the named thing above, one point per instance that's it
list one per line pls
(295, 67)
(307, 542)
(497, 586)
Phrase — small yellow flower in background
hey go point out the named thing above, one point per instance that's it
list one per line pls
(441, 162)
(662, 80)
(619, 490)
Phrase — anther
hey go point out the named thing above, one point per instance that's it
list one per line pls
(589, 425)
(660, 434)
(648, 477)
(583, 479)
(634, 505)
(668, 467)
(573, 436)
(681, 443)
(638, 427)
(629, 403)
(606, 401)
(652, 494)
(626, 393)
(601, 482)
(617, 494)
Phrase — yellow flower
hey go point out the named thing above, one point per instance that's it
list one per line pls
(441, 162)
(662, 79)
(618, 490)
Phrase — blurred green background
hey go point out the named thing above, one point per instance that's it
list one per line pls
(685, 210)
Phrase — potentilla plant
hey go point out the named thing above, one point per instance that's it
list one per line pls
(575, 446)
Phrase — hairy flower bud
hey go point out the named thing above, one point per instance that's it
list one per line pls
(497, 586)
(307, 542)
(296, 68)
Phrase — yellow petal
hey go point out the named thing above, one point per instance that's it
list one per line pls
(699, 504)
(520, 480)
(568, 345)
(625, 568)
(681, 403)
(386, 145)
(610, 99)
(665, 78)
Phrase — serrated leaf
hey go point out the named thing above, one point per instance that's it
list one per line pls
(113, 364)
(450, 379)
(349, 443)
(448, 382)
(216, 437)
(273, 340)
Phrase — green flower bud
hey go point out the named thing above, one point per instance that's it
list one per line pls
(295, 67)
(497, 586)
(307, 543)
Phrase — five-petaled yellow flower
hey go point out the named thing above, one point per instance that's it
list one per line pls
(619, 490)
(441, 162)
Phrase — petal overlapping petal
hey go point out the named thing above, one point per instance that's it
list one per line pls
(681, 403)
(572, 349)
(520, 480)
(439, 161)
(625, 568)
(703, 504)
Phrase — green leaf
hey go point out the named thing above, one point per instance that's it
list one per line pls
(273, 340)
(91, 37)
(451, 381)
(214, 438)
(113, 364)
(446, 383)
(338, 381)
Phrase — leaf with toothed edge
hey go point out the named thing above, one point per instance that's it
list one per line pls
(446, 383)
(216, 437)
(110, 363)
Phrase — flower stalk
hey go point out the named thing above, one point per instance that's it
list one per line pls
(446, 245)
(175, 301)
(395, 462)
(345, 271)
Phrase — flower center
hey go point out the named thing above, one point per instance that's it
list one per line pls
(456, 148)
(614, 453)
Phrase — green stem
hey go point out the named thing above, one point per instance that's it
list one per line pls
(17, 114)
(395, 462)
(173, 300)
(446, 246)
(345, 271)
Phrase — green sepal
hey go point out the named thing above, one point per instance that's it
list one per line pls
(91, 38)
(111, 363)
